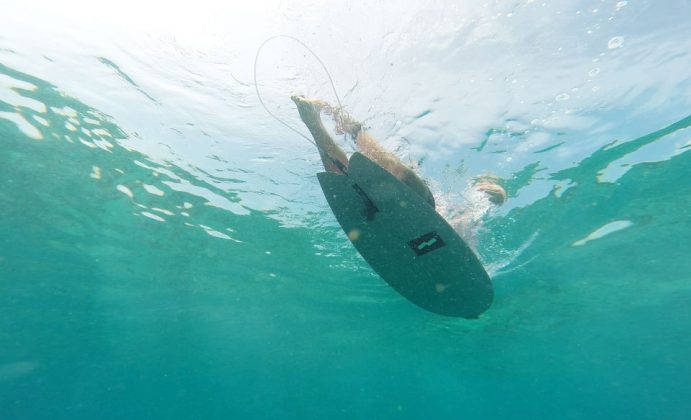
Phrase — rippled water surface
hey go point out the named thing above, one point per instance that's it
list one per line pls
(166, 251)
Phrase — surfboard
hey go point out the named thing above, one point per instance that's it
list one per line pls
(406, 241)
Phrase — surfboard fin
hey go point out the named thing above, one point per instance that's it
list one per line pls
(370, 209)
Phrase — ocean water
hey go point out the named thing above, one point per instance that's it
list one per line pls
(166, 252)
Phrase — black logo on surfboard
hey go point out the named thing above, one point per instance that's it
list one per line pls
(426, 243)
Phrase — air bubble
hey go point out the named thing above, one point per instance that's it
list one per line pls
(615, 42)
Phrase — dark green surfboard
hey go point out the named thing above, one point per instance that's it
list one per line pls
(406, 242)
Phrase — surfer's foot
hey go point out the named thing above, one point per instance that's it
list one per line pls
(494, 191)
(309, 109)
(309, 112)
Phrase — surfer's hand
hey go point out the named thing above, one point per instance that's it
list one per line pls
(494, 191)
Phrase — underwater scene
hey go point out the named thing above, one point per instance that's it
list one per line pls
(167, 251)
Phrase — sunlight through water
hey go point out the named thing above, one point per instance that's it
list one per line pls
(166, 250)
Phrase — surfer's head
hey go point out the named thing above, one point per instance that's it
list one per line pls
(490, 186)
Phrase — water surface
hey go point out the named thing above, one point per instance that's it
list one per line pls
(165, 250)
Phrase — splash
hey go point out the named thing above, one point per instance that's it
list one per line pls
(465, 212)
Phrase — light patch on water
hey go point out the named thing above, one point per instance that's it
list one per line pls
(123, 189)
(101, 132)
(186, 205)
(157, 171)
(152, 189)
(184, 213)
(262, 159)
(153, 216)
(213, 199)
(95, 172)
(87, 143)
(104, 144)
(534, 141)
(217, 234)
(10, 82)
(661, 149)
(603, 231)
(23, 125)
(620, 5)
(11, 371)
(557, 122)
(10, 96)
(70, 126)
(91, 121)
(44, 122)
(164, 211)
(65, 111)
(561, 187)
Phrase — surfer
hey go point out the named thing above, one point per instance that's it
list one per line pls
(414, 248)
(336, 160)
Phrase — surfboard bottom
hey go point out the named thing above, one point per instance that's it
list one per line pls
(406, 242)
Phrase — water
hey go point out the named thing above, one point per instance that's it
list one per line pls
(165, 250)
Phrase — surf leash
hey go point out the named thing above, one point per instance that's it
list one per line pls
(266, 108)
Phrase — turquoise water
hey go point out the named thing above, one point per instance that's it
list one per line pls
(165, 250)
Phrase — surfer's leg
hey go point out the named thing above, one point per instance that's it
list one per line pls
(371, 148)
(333, 157)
